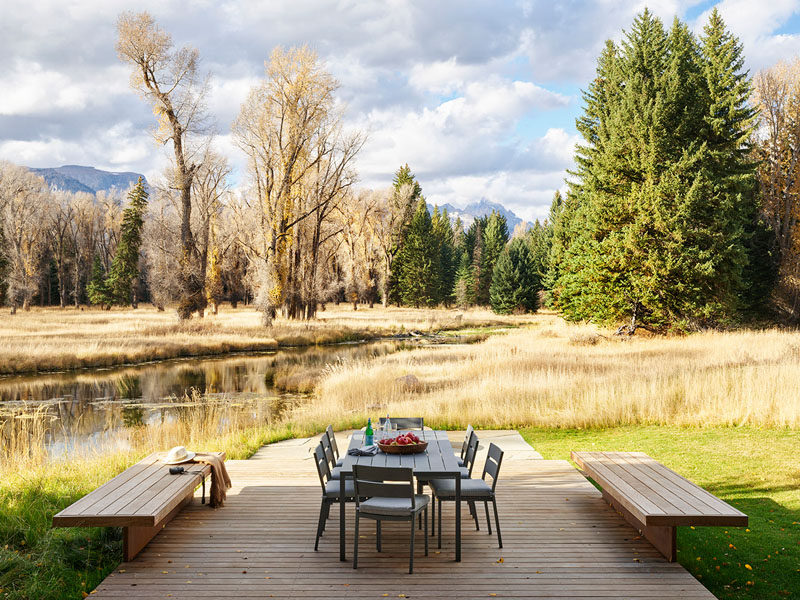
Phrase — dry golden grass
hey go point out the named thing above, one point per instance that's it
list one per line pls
(54, 339)
(553, 374)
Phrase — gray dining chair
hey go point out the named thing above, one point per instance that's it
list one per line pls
(466, 473)
(334, 446)
(391, 497)
(472, 490)
(330, 490)
(328, 450)
(465, 444)
(405, 422)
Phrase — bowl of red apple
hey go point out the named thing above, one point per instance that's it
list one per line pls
(405, 443)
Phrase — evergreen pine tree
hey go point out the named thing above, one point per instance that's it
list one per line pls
(731, 120)
(515, 285)
(405, 204)
(96, 289)
(418, 280)
(464, 291)
(476, 262)
(125, 264)
(649, 231)
(495, 238)
(539, 240)
(445, 243)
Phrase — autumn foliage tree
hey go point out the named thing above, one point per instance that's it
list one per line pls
(169, 80)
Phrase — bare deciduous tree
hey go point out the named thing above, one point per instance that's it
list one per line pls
(299, 168)
(23, 198)
(169, 80)
(777, 96)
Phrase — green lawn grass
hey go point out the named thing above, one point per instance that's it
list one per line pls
(755, 470)
(38, 562)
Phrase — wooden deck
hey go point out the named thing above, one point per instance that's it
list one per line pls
(561, 541)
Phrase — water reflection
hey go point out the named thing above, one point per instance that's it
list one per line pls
(93, 407)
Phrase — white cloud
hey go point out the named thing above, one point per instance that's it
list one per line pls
(441, 85)
(30, 88)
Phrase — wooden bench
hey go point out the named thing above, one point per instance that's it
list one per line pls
(142, 500)
(653, 498)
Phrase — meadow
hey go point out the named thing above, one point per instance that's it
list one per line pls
(52, 339)
(719, 407)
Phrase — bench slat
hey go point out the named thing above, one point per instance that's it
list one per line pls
(663, 495)
(132, 492)
(695, 492)
(140, 496)
(630, 498)
(653, 493)
(110, 487)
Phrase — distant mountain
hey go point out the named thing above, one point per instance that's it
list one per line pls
(479, 209)
(74, 178)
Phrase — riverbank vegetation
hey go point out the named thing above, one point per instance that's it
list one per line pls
(53, 339)
(727, 396)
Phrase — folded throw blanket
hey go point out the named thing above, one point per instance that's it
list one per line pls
(220, 481)
(364, 451)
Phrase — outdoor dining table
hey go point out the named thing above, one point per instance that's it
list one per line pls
(437, 462)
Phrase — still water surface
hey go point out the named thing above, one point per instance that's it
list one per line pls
(90, 407)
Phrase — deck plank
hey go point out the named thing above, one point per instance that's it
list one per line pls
(561, 541)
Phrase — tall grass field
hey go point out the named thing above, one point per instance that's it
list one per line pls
(721, 408)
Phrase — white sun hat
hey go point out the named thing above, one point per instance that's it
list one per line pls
(177, 455)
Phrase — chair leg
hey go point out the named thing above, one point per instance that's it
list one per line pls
(433, 514)
(319, 525)
(474, 512)
(488, 520)
(411, 554)
(426, 531)
(355, 545)
(326, 517)
(378, 533)
(439, 525)
(497, 523)
(419, 492)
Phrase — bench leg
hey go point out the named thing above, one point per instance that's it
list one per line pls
(136, 537)
(663, 538)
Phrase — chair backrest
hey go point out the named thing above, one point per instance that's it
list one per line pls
(494, 458)
(326, 447)
(472, 450)
(467, 438)
(383, 482)
(332, 438)
(405, 422)
(321, 462)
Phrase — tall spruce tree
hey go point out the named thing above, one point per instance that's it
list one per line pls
(515, 284)
(495, 238)
(654, 237)
(418, 279)
(405, 204)
(97, 289)
(539, 239)
(445, 243)
(125, 264)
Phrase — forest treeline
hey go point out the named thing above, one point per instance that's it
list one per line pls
(681, 211)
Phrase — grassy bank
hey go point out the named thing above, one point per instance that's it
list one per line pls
(53, 339)
(755, 470)
(735, 394)
(552, 374)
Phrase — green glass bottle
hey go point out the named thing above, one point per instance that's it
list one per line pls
(368, 433)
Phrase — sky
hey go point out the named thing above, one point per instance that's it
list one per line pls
(479, 98)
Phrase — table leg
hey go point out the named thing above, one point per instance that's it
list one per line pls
(341, 517)
(458, 517)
